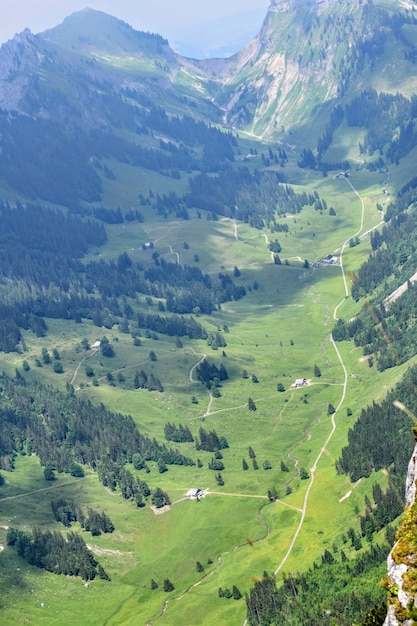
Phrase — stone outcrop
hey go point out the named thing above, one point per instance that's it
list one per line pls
(402, 599)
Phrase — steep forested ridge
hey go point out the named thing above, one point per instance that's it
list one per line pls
(385, 327)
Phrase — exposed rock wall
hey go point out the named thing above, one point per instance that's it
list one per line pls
(400, 597)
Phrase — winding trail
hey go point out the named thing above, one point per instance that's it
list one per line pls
(149, 622)
(303, 510)
(342, 399)
(172, 251)
(92, 353)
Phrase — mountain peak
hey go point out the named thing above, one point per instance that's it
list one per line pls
(91, 30)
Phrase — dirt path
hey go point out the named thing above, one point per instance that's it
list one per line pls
(92, 353)
(344, 388)
(194, 367)
(219, 563)
(30, 493)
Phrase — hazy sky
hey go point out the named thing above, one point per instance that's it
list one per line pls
(194, 28)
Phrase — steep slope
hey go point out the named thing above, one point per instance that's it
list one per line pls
(312, 55)
(92, 53)
(402, 561)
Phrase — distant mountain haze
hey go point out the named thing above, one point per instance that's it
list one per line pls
(198, 30)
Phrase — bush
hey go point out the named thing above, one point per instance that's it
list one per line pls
(58, 369)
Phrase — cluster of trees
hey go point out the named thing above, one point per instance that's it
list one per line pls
(254, 197)
(143, 381)
(209, 374)
(179, 434)
(226, 593)
(172, 325)
(368, 450)
(55, 553)
(393, 248)
(160, 498)
(132, 488)
(386, 329)
(186, 288)
(94, 522)
(382, 114)
(61, 430)
(335, 591)
(387, 506)
(210, 441)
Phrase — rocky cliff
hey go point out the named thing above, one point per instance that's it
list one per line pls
(402, 561)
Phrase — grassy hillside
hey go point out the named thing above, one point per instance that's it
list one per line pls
(278, 332)
(150, 133)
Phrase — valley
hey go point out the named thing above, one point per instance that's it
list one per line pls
(247, 532)
(197, 262)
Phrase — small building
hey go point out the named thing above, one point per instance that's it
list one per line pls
(299, 382)
(193, 494)
(96, 345)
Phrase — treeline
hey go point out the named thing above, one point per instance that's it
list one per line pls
(394, 255)
(385, 328)
(336, 591)
(55, 553)
(94, 522)
(386, 332)
(217, 146)
(386, 507)
(382, 437)
(41, 159)
(42, 246)
(173, 326)
(389, 122)
(49, 279)
(184, 287)
(253, 197)
(209, 441)
(61, 430)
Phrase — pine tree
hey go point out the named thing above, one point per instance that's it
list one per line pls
(168, 586)
(251, 405)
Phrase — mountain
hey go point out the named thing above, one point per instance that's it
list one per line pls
(308, 57)
(179, 238)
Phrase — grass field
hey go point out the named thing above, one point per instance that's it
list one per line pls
(278, 332)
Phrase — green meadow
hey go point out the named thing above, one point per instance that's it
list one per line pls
(276, 334)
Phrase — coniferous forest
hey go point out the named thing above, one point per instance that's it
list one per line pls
(146, 200)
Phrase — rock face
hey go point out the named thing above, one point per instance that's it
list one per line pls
(396, 569)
